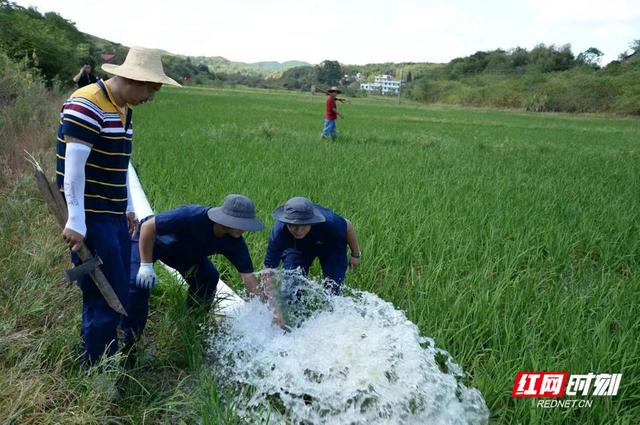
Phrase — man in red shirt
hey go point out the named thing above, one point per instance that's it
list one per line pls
(331, 114)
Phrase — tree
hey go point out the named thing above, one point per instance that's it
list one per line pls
(498, 62)
(635, 48)
(550, 59)
(52, 43)
(519, 58)
(590, 57)
(299, 77)
(329, 72)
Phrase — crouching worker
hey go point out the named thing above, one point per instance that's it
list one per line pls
(305, 231)
(183, 239)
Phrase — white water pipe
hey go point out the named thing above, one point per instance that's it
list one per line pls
(227, 299)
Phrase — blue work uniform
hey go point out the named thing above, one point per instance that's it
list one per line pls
(184, 241)
(326, 241)
(91, 115)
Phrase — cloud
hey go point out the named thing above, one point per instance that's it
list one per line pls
(582, 11)
(355, 31)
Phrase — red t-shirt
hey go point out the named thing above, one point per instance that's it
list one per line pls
(331, 106)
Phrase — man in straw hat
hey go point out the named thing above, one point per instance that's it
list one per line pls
(93, 149)
(305, 231)
(184, 238)
(331, 114)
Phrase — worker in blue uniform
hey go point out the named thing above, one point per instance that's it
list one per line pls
(305, 231)
(184, 238)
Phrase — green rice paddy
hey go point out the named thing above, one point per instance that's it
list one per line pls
(512, 239)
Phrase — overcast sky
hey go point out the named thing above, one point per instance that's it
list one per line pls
(353, 31)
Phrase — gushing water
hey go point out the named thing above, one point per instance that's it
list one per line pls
(346, 360)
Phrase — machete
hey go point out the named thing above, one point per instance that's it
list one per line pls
(90, 264)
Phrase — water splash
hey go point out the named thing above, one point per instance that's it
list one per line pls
(346, 360)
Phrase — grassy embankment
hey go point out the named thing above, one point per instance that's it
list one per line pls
(40, 377)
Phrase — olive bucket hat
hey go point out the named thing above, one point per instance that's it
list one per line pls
(237, 212)
(298, 210)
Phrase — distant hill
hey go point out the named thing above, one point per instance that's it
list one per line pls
(279, 66)
(218, 64)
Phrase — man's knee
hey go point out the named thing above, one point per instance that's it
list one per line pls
(104, 320)
(210, 275)
(295, 261)
(203, 281)
(138, 299)
(334, 267)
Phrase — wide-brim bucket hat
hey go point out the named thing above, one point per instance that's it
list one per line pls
(334, 89)
(141, 64)
(237, 212)
(298, 210)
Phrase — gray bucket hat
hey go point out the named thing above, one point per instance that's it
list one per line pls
(237, 212)
(298, 210)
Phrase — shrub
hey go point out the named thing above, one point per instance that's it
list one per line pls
(27, 111)
(538, 102)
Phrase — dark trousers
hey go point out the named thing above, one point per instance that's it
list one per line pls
(201, 276)
(109, 238)
(333, 261)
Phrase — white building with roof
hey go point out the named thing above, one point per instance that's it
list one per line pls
(384, 84)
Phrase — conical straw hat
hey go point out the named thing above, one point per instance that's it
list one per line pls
(141, 64)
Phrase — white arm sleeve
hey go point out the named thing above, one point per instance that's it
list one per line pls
(75, 159)
(129, 199)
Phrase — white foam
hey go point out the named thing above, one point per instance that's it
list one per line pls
(347, 360)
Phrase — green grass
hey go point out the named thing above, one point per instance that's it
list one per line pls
(511, 238)
(41, 381)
